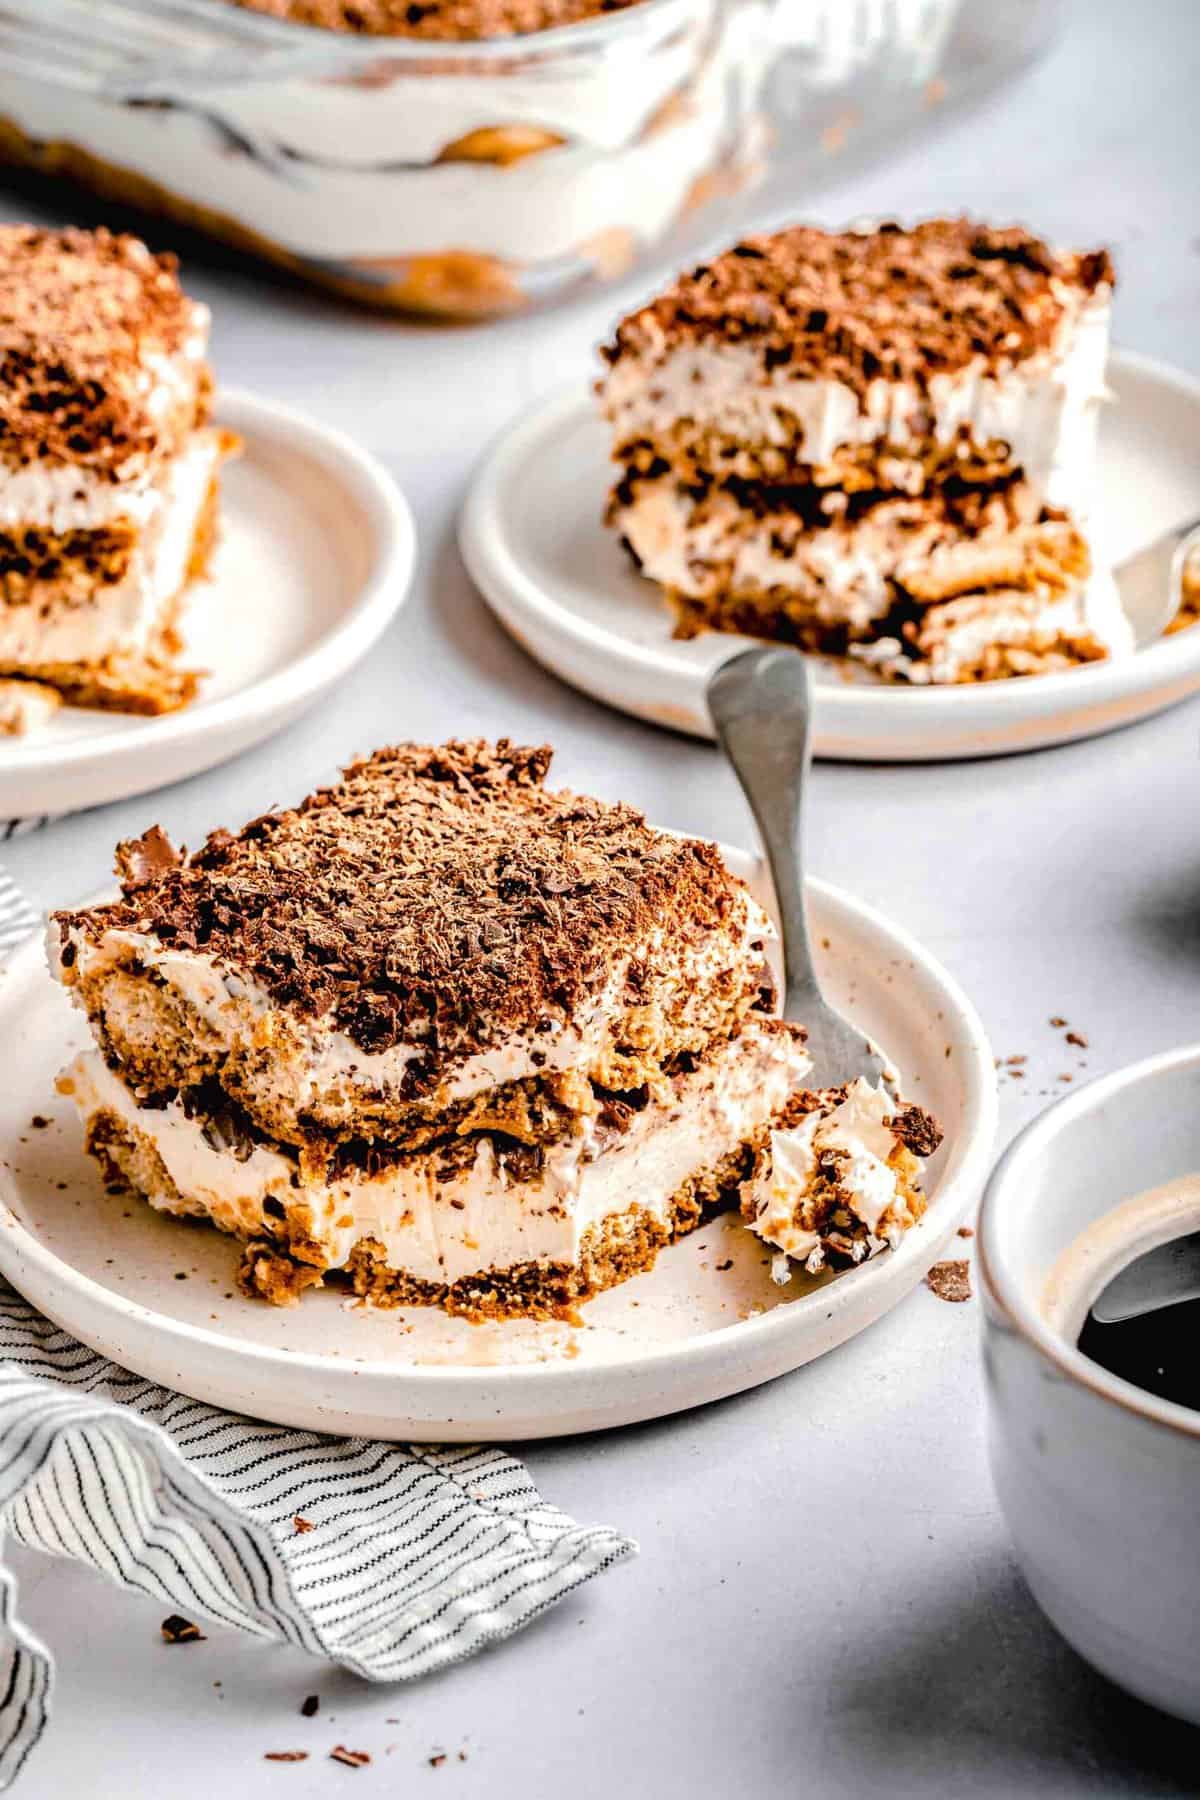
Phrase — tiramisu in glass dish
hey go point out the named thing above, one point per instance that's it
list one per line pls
(460, 1040)
(109, 471)
(875, 443)
(456, 157)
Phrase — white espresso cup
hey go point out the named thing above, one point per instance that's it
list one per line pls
(1099, 1480)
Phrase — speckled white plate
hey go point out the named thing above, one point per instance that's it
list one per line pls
(158, 1295)
(315, 559)
(533, 539)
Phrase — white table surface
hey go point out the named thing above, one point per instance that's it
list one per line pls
(825, 1602)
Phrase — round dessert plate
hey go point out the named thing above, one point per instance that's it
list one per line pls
(315, 558)
(158, 1295)
(535, 544)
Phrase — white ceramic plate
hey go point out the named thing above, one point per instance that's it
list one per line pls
(707, 1321)
(316, 556)
(533, 540)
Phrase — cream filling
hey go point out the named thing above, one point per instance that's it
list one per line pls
(125, 615)
(840, 575)
(857, 1131)
(346, 171)
(1046, 409)
(26, 707)
(412, 105)
(323, 1068)
(1091, 611)
(442, 1228)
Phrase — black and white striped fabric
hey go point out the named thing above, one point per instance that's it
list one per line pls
(17, 917)
(406, 1559)
(11, 828)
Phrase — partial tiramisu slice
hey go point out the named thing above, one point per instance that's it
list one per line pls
(467, 1040)
(837, 1176)
(108, 466)
(860, 442)
(26, 706)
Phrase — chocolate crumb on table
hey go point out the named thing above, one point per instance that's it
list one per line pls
(300, 1525)
(178, 1630)
(966, 1231)
(310, 1705)
(285, 1755)
(1077, 1038)
(353, 1759)
(950, 1280)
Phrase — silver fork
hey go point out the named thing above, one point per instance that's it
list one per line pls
(1151, 581)
(761, 706)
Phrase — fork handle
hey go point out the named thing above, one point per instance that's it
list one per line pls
(761, 705)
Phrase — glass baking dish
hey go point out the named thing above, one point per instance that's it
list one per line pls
(461, 179)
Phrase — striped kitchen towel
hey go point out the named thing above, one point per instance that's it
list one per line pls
(390, 1560)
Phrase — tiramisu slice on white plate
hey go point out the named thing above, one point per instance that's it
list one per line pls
(461, 1039)
(876, 442)
(108, 468)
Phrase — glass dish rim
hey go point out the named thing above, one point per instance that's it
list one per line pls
(316, 46)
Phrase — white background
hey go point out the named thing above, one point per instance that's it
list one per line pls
(825, 1603)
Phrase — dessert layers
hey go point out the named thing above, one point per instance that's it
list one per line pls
(846, 440)
(109, 466)
(477, 1221)
(444, 171)
(440, 1031)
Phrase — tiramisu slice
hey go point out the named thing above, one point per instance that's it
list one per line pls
(876, 442)
(467, 1041)
(108, 466)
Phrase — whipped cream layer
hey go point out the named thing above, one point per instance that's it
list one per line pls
(858, 1134)
(26, 707)
(442, 1226)
(959, 633)
(1045, 408)
(838, 576)
(316, 1070)
(839, 573)
(409, 105)
(347, 171)
(124, 615)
